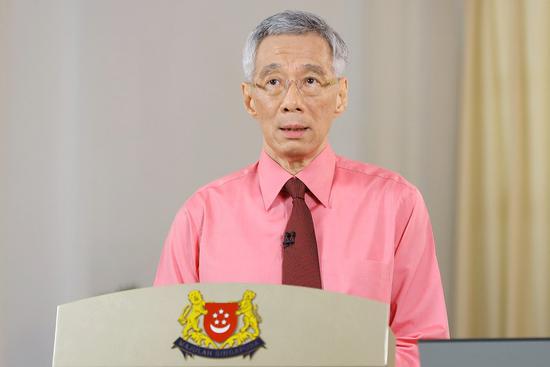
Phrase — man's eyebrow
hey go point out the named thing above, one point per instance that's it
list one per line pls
(268, 69)
(315, 69)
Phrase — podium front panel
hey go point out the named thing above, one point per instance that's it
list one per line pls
(299, 326)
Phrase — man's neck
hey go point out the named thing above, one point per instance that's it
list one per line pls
(292, 165)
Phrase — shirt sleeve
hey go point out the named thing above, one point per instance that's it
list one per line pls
(179, 258)
(417, 309)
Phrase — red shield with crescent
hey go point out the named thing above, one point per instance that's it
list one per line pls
(221, 320)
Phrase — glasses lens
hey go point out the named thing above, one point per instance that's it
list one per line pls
(309, 87)
(273, 87)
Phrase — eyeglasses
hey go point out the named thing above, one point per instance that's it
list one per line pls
(308, 87)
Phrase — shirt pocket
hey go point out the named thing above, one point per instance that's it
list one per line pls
(364, 278)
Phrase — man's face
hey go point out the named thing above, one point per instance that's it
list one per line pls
(295, 124)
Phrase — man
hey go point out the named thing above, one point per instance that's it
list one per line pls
(302, 215)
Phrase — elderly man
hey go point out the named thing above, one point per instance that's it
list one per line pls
(302, 215)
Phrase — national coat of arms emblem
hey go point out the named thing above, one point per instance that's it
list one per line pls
(219, 330)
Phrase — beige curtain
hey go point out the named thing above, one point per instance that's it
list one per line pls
(503, 239)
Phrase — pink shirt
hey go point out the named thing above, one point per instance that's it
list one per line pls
(373, 233)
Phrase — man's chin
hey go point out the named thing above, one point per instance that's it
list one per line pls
(297, 152)
(293, 150)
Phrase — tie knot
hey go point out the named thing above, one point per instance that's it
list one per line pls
(295, 188)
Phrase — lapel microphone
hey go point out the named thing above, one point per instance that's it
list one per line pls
(289, 238)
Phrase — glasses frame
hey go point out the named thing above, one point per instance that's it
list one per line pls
(298, 84)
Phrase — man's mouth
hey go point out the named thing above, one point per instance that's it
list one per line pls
(294, 128)
(294, 132)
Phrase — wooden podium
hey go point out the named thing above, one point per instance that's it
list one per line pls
(297, 327)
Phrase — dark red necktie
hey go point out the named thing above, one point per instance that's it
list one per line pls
(300, 257)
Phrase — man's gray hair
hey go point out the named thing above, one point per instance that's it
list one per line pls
(294, 22)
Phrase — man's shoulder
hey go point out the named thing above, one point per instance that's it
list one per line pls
(229, 184)
(367, 174)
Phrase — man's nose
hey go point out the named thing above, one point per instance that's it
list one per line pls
(293, 99)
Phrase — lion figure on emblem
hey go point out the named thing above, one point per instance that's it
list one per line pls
(189, 319)
(251, 319)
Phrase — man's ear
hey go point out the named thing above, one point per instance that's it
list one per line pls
(342, 97)
(248, 99)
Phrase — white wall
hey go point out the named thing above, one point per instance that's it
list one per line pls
(113, 112)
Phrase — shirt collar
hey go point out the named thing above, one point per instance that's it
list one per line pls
(317, 176)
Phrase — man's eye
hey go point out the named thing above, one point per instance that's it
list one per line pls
(311, 81)
(273, 82)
